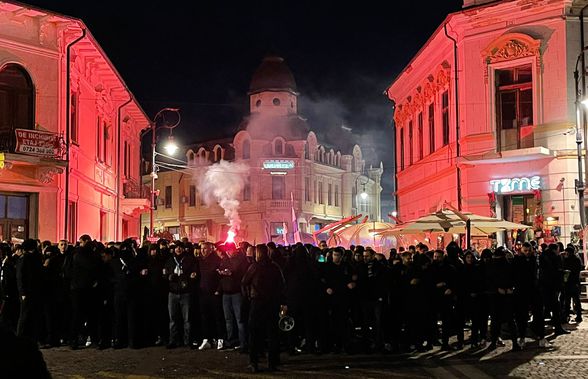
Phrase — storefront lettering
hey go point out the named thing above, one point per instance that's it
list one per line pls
(509, 185)
(279, 164)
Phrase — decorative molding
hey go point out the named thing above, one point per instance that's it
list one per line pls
(46, 175)
(509, 47)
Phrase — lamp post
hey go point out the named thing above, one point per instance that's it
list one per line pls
(363, 195)
(579, 140)
(170, 148)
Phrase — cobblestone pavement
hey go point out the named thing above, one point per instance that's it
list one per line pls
(568, 358)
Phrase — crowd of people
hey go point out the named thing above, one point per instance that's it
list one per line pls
(223, 296)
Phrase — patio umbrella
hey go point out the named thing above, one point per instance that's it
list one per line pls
(366, 234)
(448, 221)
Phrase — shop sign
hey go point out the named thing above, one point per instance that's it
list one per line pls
(38, 143)
(509, 185)
(278, 164)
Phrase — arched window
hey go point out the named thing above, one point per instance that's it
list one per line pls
(16, 102)
(278, 147)
(217, 153)
(246, 149)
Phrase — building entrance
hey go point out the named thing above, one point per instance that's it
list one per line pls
(14, 219)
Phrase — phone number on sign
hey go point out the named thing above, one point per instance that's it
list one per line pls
(37, 150)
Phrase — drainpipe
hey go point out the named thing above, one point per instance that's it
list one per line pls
(396, 207)
(582, 107)
(67, 128)
(118, 178)
(457, 133)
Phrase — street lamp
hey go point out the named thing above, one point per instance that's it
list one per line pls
(171, 148)
(579, 140)
(363, 195)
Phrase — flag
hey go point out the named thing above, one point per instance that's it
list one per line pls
(295, 230)
(285, 233)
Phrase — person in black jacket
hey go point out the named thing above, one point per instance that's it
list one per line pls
(29, 278)
(84, 282)
(126, 297)
(157, 295)
(231, 270)
(443, 278)
(338, 280)
(473, 282)
(572, 265)
(527, 294)
(503, 287)
(264, 283)
(373, 292)
(9, 302)
(551, 283)
(181, 271)
(53, 294)
(211, 309)
(20, 357)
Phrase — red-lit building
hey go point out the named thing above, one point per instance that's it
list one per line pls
(484, 115)
(101, 124)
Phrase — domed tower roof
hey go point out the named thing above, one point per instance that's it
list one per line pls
(272, 75)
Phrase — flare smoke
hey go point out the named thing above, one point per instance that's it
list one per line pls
(223, 183)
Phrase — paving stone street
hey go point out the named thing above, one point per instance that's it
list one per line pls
(568, 358)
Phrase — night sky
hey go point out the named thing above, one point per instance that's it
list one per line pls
(200, 55)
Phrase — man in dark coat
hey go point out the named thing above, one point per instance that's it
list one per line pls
(9, 302)
(29, 277)
(84, 286)
(572, 265)
(211, 310)
(231, 270)
(181, 271)
(264, 282)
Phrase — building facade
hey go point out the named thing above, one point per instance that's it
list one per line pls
(69, 132)
(485, 116)
(287, 168)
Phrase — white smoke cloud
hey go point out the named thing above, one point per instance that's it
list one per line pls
(222, 183)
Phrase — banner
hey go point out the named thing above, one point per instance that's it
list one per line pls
(38, 143)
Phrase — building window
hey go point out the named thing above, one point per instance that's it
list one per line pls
(431, 128)
(192, 200)
(315, 192)
(125, 159)
(247, 192)
(103, 226)
(246, 149)
(99, 141)
(276, 101)
(401, 149)
(307, 189)
(330, 194)
(445, 113)
(420, 134)
(306, 152)
(168, 196)
(72, 221)
(336, 195)
(278, 187)
(514, 94)
(354, 198)
(320, 193)
(217, 154)
(107, 154)
(410, 143)
(16, 104)
(278, 147)
(73, 117)
(258, 103)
